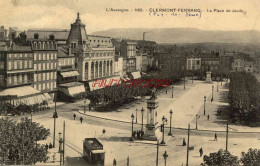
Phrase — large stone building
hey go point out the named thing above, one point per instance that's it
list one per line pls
(95, 55)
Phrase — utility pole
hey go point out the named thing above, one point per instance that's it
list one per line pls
(187, 161)
(157, 155)
(63, 141)
(227, 138)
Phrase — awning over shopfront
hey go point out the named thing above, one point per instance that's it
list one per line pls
(72, 88)
(135, 75)
(22, 95)
(104, 82)
(69, 74)
(47, 96)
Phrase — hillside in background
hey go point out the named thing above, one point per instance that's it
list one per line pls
(183, 35)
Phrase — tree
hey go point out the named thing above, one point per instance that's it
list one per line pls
(220, 158)
(19, 140)
(251, 158)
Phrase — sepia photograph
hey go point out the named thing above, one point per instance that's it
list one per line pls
(130, 82)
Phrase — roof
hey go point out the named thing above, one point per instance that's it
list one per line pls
(19, 91)
(18, 48)
(93, 143)
(59, 34)
(62, 52)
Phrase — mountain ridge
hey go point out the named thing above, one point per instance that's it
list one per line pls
(183, 35)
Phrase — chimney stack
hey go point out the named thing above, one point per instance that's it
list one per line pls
(52, 37)
(144, 36)
(36, 36)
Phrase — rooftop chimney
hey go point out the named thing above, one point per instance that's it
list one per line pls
(144, 36)
(52, 37)
(36, 36)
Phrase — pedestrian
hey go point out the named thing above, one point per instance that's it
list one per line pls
(166, 91)
(89, 107)
(50, 146)
(46, 146)
(201, 152)
(220, 111)
(216, 137)
(208, 116)
(183, 142)
(74, 116)
(114, 162)
(211, 100)
(103, 132)
(81, 119)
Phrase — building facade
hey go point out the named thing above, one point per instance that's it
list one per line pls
(193, 63)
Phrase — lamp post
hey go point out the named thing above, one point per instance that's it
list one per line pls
(136, 116)
(31, 115)
(165, 155)
(164, 121)
(60, 147)
(132, 137)
(217, 86)
(204, 105)
(170, 133)
(172, 91)
(85, 106)
(212, 92)
(142, 111)
(197, 117)
(157, 153)
(55, 115)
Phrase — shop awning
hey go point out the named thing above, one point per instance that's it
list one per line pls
(135, 75)
(19, 91)
(47, 96)
(104, 82)
(69, 74)
(72, 88)
(22, 95)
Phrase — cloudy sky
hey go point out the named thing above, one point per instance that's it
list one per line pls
(60, 14)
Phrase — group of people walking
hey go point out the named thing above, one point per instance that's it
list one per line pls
(138, 134)
(81, 119)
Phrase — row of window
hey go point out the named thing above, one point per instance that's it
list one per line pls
(19, 64)
(17, 79)
(38, 56)
(20, 56)
(45, 66)
(66, 62)
(100, 40)
(45, 86)
(45, 76)
(43, 45)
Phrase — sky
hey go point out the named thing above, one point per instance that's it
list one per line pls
(59, 14)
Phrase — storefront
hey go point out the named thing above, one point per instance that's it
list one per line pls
(23, 95)
(71, 90)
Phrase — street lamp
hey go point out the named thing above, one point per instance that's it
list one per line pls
(212, 92)
(132, 137)
(204, 105)
(197, 117)
(170, 133)
(55, 115)
(60, 148)
(217, 86)
(165, 155)
(164, 122)
(85, 106)
(136, 116)
(142, 111)
(172, 91)
(31, 115)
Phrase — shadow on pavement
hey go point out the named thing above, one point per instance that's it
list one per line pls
(79, 161)
(115, 139)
